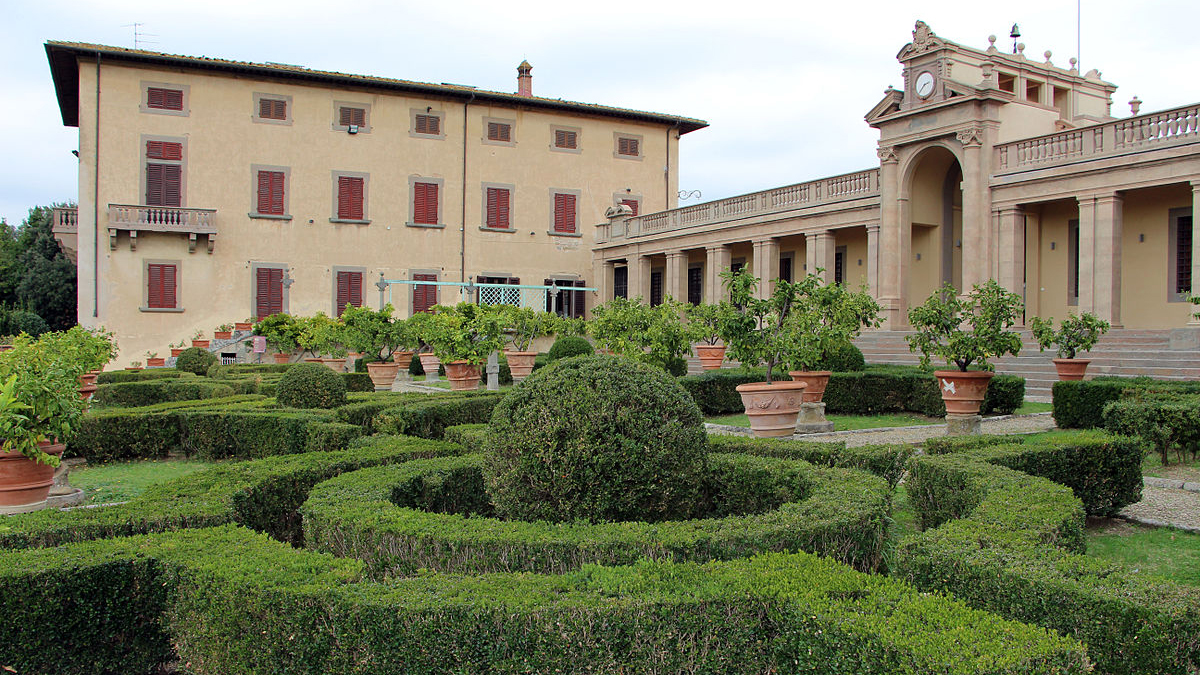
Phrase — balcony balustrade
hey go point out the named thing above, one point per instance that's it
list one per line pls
(137, 218)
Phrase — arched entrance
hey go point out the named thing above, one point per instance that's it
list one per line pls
(935, 210)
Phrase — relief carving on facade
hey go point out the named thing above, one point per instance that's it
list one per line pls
(970, 137)
(887, 155)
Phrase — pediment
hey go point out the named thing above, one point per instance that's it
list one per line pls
(886, 106)
(924, 40)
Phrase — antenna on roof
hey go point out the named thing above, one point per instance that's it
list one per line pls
(139, 37)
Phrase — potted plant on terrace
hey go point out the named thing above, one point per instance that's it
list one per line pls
(524, 325)
(153, 360)
(463, 336)
(177, 348)
(421, 328)
(280, 331)
(94, 348)
(705, 323)
(199, 341)
(965, 331)
(631, 328)
(376, 334)
(1076, 333)
(761, 331)
(244, 326)
(321, 336)
(826, 316)
(223, 332)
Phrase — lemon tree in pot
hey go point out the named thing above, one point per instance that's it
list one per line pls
(655, 335)
(965, 331)
(705, 323)
(376, 334)
(463, 336)
(761, 331)
(280, 331)
(827, 316)
(420, 326)
(523, 325)
(1076, 333)
(322, 337)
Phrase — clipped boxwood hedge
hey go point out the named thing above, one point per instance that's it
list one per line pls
(114, 376)
(886, 461)
(1080, 404)
(149, 392)
(1164, 421)
(1012, 543)
(429, 419)
(402, 519)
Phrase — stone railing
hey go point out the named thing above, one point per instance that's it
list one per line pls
(162, 219)
(813, 193)
(64, 220)
(1134, 134)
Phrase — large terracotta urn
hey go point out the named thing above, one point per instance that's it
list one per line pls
(24, 483)
(200, 344)
(336, 365)
(87, 384)
(430, 363)
(402, 360)
(816, 380)
(383, 374)
(711, 356)
(282, 358)
(772, 408)
(1071, 369)
(520, 364)
(463, 375)
(963, 392)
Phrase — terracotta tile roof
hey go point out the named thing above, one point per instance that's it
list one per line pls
(64, 67)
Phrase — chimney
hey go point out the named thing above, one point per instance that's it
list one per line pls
(524, 79)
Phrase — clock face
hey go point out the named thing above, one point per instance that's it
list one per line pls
(925, 84)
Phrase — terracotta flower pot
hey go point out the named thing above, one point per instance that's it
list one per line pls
(133, 367)
(313, 360)
(24, 483)
(87, 385)
(243, 326)
(963, 392)
(1071, 369)
(402, 359)
(430, 363)
(816, 381)
(200, 344)
(222, 335)
(176, 351)
(155, 362)
(711, 356)
(463, 375)
(383, 374)
(520, 364)
(772, 408)
(336, 365)
(282, 358)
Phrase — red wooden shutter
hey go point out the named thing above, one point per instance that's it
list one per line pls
(565, 139)
(564, 212)
(627, 146)
(270, 192)
(163, 185)
(164, 150)
(160, 286)
(498, 131)
(497, 208)
(350, 197)
(429, 124)
(272, 109)
(269, 289)
(425, 203)
(164, 99)
(424, 295)
(632, 204)
(348, 116)
(349, 290)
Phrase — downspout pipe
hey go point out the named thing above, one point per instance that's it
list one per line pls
(462, 240)
(96, 204)
(667, 173)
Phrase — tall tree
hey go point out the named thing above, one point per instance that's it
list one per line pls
(10, 270)
(46, 277)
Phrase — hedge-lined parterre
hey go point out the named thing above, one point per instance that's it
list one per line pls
(1011, 542)
(889, 462)
(1080, 404)
(231, 601)
(434, 514)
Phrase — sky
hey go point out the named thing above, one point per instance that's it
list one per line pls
(784, 85)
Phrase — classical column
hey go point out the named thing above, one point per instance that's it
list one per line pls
(873, 260)
(1194, 320)
(605, 281)
(766, 265)
(673, 283)
(976, 211)
(1109, 227)
(1087, 254)
(717, 261)
(643, 286)
(1011, 254)
(633, 277)
(895, 241)
(820, 249)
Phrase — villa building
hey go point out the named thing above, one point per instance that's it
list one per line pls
(211, 190)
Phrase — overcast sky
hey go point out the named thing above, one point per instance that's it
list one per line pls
(784, 85)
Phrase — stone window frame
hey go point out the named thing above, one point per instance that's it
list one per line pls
(619, 196)
(641, 141)
(428, 110)
(143, 105)
(410, 221)
(145, 306)
(578, 207)
(182, 163)
(335, 125)
(512, 200)
(366, 176)
(333, 274)
(555, 128)
(287, 192)
(286, 283)
(258, 96)
(512, 131)
(1173, 216)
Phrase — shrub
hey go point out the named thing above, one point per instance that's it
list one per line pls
(1170, 422)
(115, 376)
(149, 392)
(568, 346)
(220, 371)
(17, 321)
(311, 385)
(842, 357)
(359, 382)
(596, 438)
(472, 437)
(195, 360)
(430, 419)
(1080, 404)
(223, 434)
(886, 461)
(330, 436)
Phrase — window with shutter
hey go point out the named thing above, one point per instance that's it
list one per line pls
(633, 204)
(566, 139)
(350, 198)
(160, 286)
(272, 109)
(424, 295)
(425, 203)
(499, 131)
(349, 290)
(268, 291)
(428, 124)
(564, 212)
(270, 192)
(348, 115)
(498, 208)
(163, 185)
(164, 150)
(161, 98)
(629, 147)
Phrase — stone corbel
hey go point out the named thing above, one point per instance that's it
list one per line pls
(212, 240)
(970, 137)
(112, 238)
(191, 242)
(133, 240)
(887, 155)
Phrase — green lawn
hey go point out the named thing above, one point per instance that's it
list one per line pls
(844, 422)
(123, 481)
(1160, 551)
(1030, 407)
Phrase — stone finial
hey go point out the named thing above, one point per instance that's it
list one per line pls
(1021, 49)
(1048, 54)
(1135, 104)
(992, 44)
(1074, 65)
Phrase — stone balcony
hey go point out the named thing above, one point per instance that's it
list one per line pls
(134, 218)
(64, 225)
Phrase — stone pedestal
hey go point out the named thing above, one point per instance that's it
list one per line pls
(493, 372)
(812, 419)
(962, 425)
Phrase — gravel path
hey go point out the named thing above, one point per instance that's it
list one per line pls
(1004, 424)
(1162, 506)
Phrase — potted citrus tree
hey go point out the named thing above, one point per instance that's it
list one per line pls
(280, 331)
(153, 360)
(374, 333)
(826, 316)
(760, 331)
(420, 327)
(1076, 333)
(705, 323)
(321, 336)
(463, 336)
(965, 331)
(523, 325)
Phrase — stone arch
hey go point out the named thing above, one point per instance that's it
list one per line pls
(931, 185)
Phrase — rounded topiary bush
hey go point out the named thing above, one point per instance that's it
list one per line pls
(571, 345)
(843, 358)
(310, 385)
(195, 360)
(599, 438)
